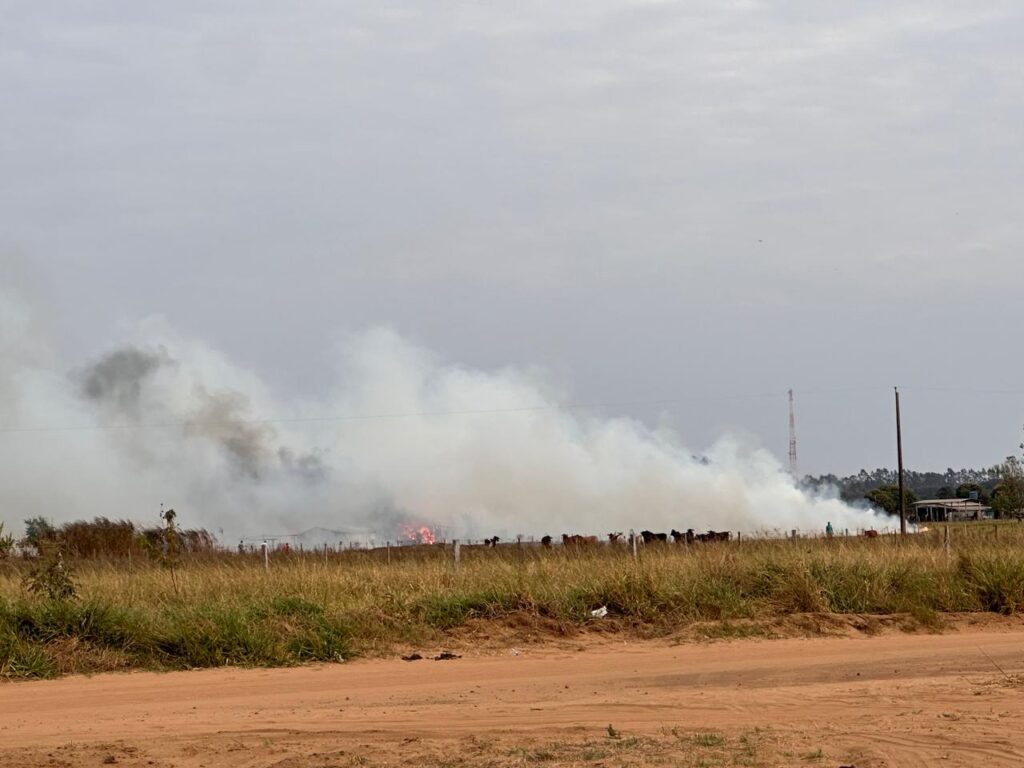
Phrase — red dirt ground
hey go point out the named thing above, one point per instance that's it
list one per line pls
(954, 699)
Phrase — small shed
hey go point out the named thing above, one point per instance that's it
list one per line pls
(950, 510)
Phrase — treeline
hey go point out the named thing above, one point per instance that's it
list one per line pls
(102, 537)
(1001, 487)
(924, 485)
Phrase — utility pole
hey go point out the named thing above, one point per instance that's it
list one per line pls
(899, 460)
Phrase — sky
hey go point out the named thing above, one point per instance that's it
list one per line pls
(672, 212)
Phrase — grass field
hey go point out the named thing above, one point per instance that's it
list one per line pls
(225, 609)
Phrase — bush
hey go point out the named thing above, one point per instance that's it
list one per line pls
(51, 577)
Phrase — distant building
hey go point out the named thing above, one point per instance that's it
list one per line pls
(950, 510)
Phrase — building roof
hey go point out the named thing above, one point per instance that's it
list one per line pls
(959, 504)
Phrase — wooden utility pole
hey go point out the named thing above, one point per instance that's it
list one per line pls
(899, 460)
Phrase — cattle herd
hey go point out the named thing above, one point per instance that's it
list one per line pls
(647, 537)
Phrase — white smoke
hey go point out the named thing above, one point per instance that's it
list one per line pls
(402, 437)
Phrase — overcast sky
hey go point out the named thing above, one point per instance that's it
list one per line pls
(704, 203)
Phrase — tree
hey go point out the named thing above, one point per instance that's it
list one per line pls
(945, 492)
(887, 497)
(964, 491)
(1008, 497)
(38, 532)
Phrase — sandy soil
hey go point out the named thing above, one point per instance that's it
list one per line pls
(897, 700)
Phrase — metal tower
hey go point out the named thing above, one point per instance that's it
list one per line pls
(792, 438)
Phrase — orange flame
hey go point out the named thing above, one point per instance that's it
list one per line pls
(426, 535)
(419, 534)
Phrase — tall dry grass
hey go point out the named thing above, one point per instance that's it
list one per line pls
(226, 610)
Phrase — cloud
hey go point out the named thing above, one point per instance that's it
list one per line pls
(652, 137)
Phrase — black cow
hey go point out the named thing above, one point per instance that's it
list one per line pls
(714, 536)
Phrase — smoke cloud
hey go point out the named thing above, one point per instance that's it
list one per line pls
(402, 437)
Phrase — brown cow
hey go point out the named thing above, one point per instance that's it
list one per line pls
(613, 538)
(576, 540)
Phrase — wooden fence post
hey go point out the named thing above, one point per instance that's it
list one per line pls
(457, 554)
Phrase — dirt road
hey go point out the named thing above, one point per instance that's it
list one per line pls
(896, 700)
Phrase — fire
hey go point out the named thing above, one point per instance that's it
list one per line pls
(420, 534)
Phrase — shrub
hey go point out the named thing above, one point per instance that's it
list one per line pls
(51, 577)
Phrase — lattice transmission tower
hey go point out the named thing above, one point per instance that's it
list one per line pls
(793, 469)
